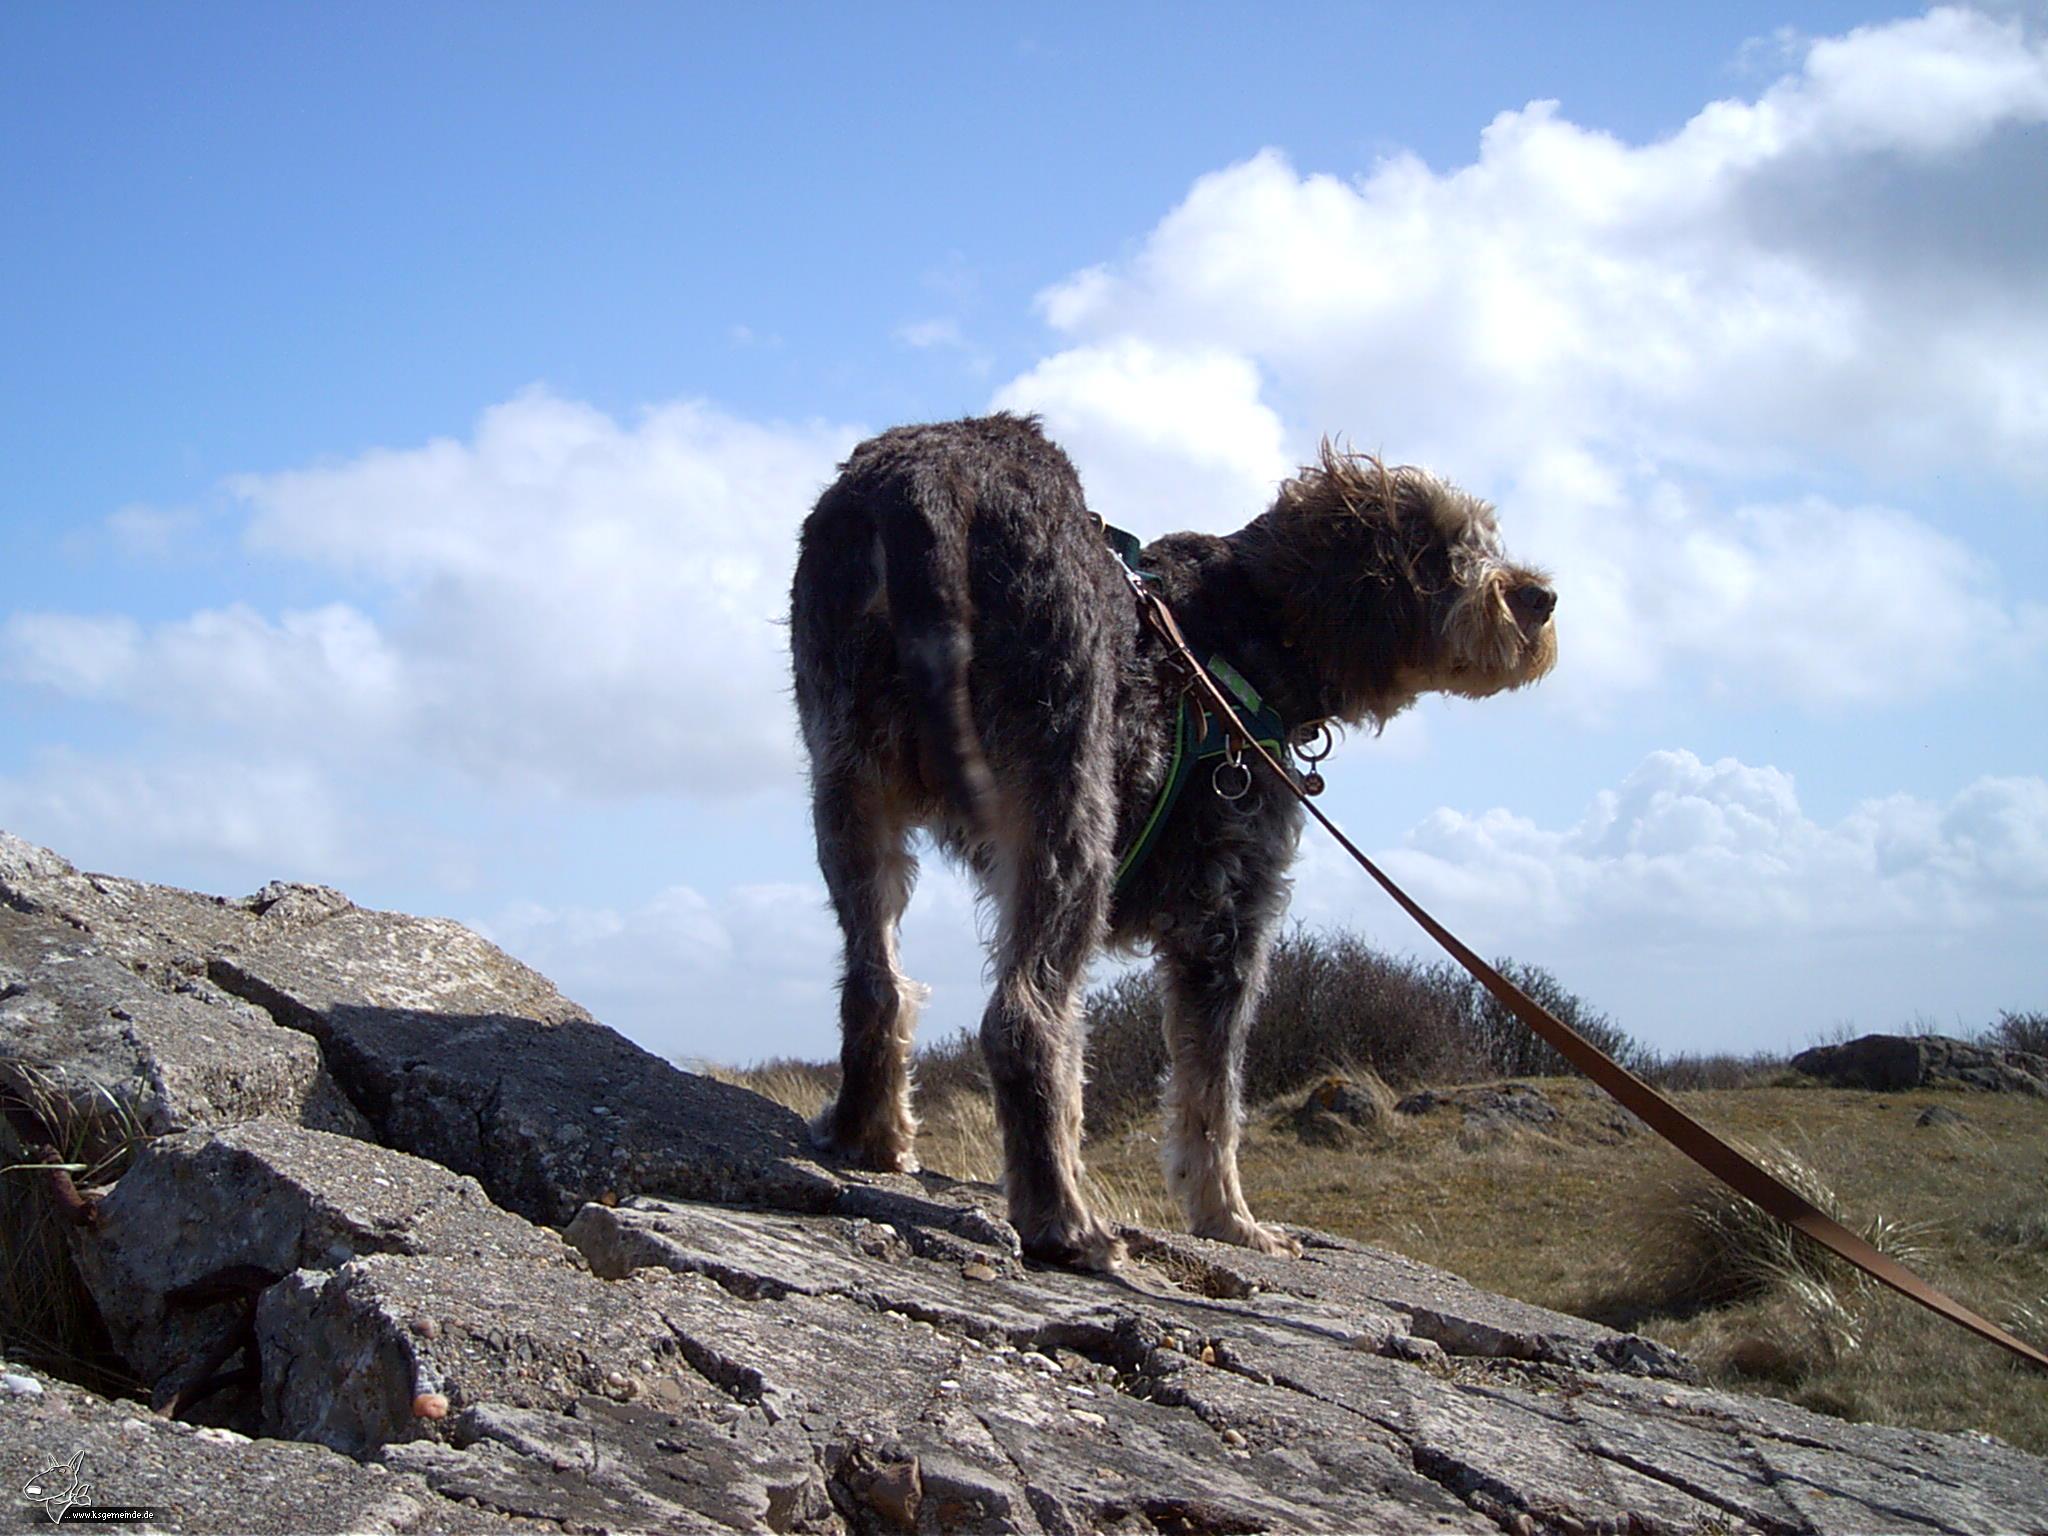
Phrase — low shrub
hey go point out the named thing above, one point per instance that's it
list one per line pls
(2020, 1032)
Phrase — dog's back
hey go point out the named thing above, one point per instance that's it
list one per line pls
(951, 588)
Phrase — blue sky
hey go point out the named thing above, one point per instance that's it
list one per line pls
(408, 414)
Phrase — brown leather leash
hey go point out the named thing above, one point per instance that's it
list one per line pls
(1631, 1092)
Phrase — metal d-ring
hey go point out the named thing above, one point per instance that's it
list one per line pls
(1321, 734)
(1231, 771)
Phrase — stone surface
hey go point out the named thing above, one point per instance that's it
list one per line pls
(459, 1053)
(264, 1199)
(200, 1480)
(609, 1466)
(777, 1345)
(98, 1052)
(1893, 1063)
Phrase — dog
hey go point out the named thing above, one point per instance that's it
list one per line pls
(969, 659)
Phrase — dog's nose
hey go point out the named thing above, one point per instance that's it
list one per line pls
(1532, 604)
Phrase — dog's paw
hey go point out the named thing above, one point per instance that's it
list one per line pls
(1076, 1244)
(1259, 1236)
(883, 1152)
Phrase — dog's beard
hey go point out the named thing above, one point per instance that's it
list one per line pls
(1485, 649)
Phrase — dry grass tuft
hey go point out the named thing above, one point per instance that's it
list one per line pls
(803, 1086)
(47, 1318)
(1703, 1245)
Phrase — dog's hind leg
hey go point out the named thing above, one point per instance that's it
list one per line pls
(1212, 986)
(869, 872)
(1052, 888)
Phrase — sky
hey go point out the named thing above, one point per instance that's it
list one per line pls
(409, 412)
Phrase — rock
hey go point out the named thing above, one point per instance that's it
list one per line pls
(1489, 1111)
(1940, 1114)
(742, 1339)
(459, 1053)
(206, 1220)
(1893, 1063)
(205, 1480)
(98, 1054)
(1338, 1113)
(606, 1466)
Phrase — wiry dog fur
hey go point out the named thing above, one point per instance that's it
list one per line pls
(969, 659)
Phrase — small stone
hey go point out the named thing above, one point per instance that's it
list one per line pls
(1234, 1437)
(1208, 1354)
(666, 1392)
(977, 1269)
(430, 1405)
(20, 1386)
(426, 1328)
(896, 1493)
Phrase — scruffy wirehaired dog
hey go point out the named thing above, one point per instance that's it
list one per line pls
(969, 659)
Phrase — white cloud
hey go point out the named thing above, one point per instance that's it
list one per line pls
(1702, 906)
(567, 602)
(90, 657)
(1165, 437)
(1689, 851)
(209, 818)
(746, 974)
(1847, 276)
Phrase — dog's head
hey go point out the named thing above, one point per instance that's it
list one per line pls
(1392, 583)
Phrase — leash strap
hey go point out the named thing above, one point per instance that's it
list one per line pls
(1720, 1159)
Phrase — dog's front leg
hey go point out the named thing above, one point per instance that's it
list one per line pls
(1212, 984)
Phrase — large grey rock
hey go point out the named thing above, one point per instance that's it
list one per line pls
(159, 931)
(213, 1213)
(459, 1053)
(1893, 1063)
(99, 1054)
(201, 1480)
(606, 1466)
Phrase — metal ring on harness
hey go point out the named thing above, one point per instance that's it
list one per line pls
(1231, 771)
(1316, 731)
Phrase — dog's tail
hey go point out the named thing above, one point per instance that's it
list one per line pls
(924, 560)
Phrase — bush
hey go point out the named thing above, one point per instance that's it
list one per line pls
(1334, 1003)
(1126, 1050)
(1691, 1070)
(2020, 1032)
(1511, 1049)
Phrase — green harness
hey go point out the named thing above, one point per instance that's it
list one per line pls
(1198, 736)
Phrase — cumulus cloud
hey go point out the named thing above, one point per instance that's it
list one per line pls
(1702, 905)
(564, 601)
(1845, 277)
(1167, 437)
(1685, 848)
(742, 974)
(217, 818)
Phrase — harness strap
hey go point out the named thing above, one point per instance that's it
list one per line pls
(1199, 733)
